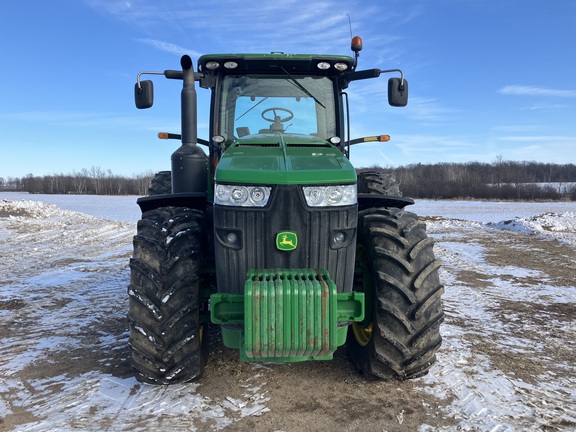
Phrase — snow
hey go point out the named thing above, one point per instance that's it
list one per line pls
(561, 226)
(488, 211)
(488, 399)
(118, 208)
(85, 242)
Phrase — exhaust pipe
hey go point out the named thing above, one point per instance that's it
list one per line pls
(189, 162)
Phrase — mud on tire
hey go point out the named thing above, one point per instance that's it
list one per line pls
(397, 270)
(166, 334)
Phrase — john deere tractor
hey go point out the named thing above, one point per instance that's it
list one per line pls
(267, 230)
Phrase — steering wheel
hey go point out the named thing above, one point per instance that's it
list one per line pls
(277, 118)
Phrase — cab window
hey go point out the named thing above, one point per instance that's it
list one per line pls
(271, 104)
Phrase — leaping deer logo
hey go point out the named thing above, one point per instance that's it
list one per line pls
(286, 241)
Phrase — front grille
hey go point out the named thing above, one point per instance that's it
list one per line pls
(310, 145)
(257, 145)
(254, 233)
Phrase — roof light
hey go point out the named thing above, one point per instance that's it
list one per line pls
(323, 65)
(356, 44)
(230, 65)
(341, 66)
(212, 65)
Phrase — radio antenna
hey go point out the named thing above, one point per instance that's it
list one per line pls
(355, 45)
(350, 25)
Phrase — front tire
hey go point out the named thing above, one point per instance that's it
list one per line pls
(397, 271)
(165, 308)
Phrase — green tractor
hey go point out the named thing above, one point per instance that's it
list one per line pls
(271, 233)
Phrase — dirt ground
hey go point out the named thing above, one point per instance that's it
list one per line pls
(323, 396)
(81, 331)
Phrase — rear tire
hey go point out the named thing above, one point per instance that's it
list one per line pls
(397, 271)
(161, 183)
(165, 307)
(378, 182)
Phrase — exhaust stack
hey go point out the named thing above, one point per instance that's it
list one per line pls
(189, 162)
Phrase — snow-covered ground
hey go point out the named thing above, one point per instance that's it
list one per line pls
(119, 208)
(506, 364)
(488, 211)
(505, 320)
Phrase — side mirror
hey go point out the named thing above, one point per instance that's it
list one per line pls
(144, 94)
(397, 92)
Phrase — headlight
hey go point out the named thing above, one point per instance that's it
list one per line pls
(242, 196)
(324, 196)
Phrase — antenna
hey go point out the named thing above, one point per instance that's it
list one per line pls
(349, 25)
(356, 44)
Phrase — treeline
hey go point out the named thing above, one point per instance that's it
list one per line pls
(502, 180)
(95, 181)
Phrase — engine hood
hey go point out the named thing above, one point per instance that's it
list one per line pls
(284, 159)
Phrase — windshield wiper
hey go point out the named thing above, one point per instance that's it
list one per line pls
(250, 109)
(301, 87)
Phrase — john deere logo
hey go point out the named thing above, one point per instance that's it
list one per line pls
(286, 241)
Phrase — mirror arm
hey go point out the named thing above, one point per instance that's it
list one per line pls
(170, 74)
(173, 74)
(145, 73)
(396, 70)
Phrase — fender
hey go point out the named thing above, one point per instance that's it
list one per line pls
(195, 200)
(366, 201)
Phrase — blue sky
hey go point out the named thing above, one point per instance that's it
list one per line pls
(488, 79)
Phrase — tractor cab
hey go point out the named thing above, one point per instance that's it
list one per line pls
(256, 96)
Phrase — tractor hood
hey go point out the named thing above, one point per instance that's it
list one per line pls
(284, 159)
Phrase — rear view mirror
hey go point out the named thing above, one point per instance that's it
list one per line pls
(397, 92)
(144, 94)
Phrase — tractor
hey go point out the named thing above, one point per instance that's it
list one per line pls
(267, 230)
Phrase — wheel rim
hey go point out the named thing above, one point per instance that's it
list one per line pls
(362, 334)
(363, 283)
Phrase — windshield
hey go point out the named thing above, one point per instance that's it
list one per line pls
(276, 104)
